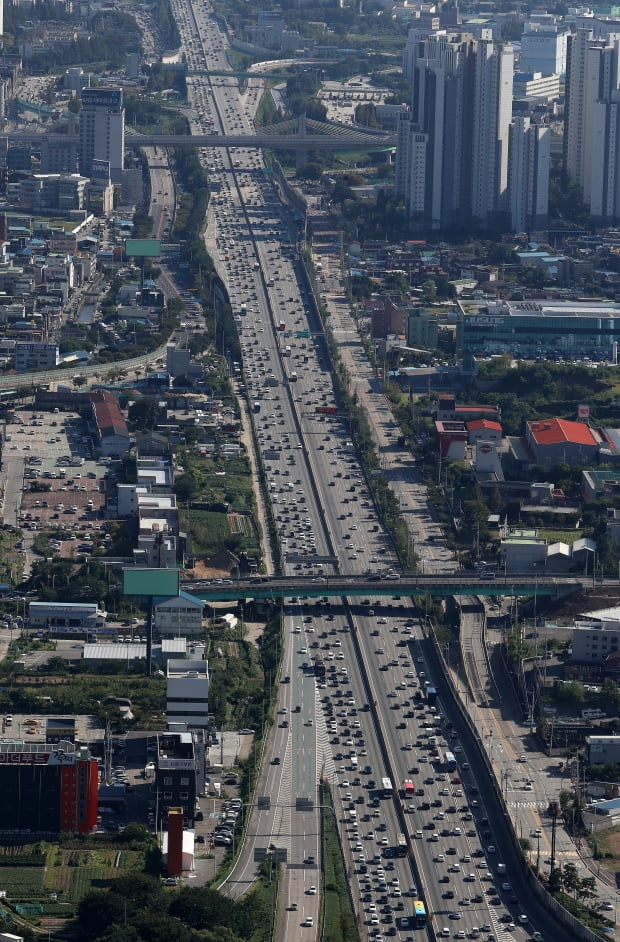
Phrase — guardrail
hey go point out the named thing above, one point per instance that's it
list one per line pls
(549, 902)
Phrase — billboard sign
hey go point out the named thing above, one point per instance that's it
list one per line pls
(142, 248)
(151, 582)
(583, 412)
(187, 765)
(24, 758)
(102, 97)
(100, 169)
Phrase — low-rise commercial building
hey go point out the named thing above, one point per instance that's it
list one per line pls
(594, 639)
(547, 328)
(66, 618)
(179, 615)
(555, 441)
(603, 750)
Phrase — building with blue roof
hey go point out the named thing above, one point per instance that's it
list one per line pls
(178, 615)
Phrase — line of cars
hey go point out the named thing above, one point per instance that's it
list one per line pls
(224, 832)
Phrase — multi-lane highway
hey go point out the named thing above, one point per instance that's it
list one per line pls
(369, 725)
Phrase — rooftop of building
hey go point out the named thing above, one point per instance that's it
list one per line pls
(108, 415)
(186, 596)
(476, 424)
(560, 431)
(605, 807)
(57, 607)
(191, 669)
(547, 307)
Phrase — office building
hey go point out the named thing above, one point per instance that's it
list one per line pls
(453, 146)
(187, 693)
(35, 356)
(594, 639)
(528, 177)
(102, 130)
(176, 773)
(47, 789)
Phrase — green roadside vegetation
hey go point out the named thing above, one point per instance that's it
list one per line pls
(138, 908)
(339, 923)
(11, 566)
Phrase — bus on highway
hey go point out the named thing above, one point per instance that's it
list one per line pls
(401, 845)
(450, 761)
(386, 788)
(408, 788)
(419, 914)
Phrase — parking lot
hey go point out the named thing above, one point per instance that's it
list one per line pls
(56, 482)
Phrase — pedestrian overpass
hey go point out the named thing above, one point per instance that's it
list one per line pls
(379, 585)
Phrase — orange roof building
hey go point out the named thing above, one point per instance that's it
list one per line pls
(559, 441)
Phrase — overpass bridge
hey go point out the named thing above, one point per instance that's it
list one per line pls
(299, 134)
(413, 584)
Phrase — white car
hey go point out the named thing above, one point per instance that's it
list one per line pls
(312, 891)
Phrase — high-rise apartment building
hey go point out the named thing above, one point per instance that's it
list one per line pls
(433, 157)
(102, 130)
(591, 121)
(492, 114)
(529, 162)
(453, 146)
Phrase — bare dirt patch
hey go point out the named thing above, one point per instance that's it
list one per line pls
(587, 601)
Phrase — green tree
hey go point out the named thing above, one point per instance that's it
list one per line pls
(98, 911)
(570, 879)
(144, 413)
(429, 291)
(572, 692)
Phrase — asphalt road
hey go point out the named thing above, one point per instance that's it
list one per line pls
(323, 507)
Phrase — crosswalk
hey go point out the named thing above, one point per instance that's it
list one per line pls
(533, 805)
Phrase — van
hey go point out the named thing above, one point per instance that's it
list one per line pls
(592, 714)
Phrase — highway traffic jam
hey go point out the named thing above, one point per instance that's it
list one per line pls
(359, 705)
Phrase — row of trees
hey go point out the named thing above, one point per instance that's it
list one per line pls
(137, 908)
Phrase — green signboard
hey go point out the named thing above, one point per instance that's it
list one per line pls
(302, 334)
(142, 248)
(151, 582)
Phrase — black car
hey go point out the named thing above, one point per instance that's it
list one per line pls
(449, 894)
